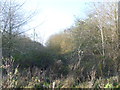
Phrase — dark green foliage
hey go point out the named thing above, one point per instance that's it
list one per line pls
(64, 70)
(28, 53)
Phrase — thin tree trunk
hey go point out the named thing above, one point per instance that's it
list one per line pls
(10, 35)
(102, 62)
(102, 40)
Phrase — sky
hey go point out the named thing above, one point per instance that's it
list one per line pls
(53, 16)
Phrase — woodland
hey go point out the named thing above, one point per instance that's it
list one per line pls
(86, 55)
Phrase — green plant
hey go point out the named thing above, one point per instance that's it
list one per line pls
(108, 85)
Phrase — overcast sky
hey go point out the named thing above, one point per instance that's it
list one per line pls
(53, 16)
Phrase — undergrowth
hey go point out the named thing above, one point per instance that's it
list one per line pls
(15, 79)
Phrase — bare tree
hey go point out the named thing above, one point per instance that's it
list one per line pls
(12, 21)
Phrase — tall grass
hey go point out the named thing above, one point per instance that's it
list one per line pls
(13, 77)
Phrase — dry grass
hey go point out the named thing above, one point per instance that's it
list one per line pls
(16, 79)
